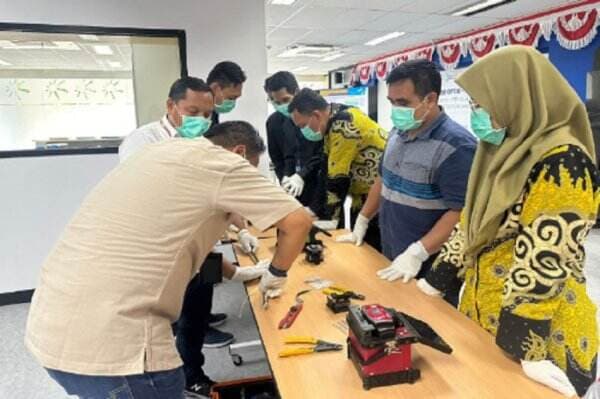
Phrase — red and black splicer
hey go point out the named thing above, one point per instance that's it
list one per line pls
(379, 344)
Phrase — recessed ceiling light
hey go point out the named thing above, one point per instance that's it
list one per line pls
(103, 49)
(307, 50)
(114, 64)
(91, 38)
(282, 2)
(384, 38)
(300, 68)
(480, 6)
(5, 63)
(333, 57)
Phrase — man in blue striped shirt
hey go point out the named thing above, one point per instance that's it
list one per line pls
(424, 173)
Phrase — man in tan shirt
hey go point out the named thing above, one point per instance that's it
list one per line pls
(100, 319)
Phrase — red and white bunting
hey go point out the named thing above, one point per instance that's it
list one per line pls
(527, 35)
(574, 27)
(577, 30)
(450, 54)
(423, 54)
(482, 45)
(364, 73)
(382, 69)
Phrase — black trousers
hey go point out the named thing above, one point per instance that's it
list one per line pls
(192, 325)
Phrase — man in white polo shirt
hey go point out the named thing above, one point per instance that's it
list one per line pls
(100, 318)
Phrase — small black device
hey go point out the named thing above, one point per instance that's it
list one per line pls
(314, 247)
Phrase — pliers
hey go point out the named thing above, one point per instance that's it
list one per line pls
(317, 346)
(342, 291)
(293, 312)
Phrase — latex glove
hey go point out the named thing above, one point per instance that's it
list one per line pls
(326, 224)
(358, 233)
(294, 185)
(270, 283)
(427, 288)
(406, 265)
(247, 273)
(547, 373)
(248, 242)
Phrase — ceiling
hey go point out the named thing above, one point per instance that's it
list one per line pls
(61, 51)
(349, 24)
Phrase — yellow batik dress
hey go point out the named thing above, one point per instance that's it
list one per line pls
(527, 286)
(353, 145)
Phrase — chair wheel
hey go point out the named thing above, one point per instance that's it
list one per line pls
(237, 360)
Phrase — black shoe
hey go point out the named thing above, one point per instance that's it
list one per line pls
(216, 339)
(199, 389)
(216, 319)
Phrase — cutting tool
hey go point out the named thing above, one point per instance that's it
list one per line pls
(317, 345)
(293, 312)
(341, 291)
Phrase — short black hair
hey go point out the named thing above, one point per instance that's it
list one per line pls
(281, 80)
(231, 133)
(180, 87)
(424, 74)
(307, 101)
(226, 74)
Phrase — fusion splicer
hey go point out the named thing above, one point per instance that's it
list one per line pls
(379, 344)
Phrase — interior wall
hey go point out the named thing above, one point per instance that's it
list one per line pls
(216, 31)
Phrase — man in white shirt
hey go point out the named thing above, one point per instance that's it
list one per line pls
(189, 108)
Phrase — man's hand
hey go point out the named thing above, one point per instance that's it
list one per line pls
(406, 265)
(427, 288)
(247, 273)
(269, 282)
(547, 373)
(358, 233)
(248, 242)
(293, 185)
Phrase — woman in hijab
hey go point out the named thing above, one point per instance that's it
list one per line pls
(532, 198)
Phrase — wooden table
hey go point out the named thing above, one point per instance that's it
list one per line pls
(477, 368)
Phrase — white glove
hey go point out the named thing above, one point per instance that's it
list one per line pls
(358, 233)
(293, 185)
(271, 283)
(247, 273)
(406, 265)
(326, 224)
(248, 242)
(427, 288)
(547, 373)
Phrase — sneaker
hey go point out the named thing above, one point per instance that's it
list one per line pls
(199, 389)
(216, 319)
(216, 339)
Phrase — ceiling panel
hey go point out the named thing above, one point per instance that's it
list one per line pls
(332, 18)
(520, 8)
(385, 5)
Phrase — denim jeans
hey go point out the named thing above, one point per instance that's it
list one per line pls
(155, 385)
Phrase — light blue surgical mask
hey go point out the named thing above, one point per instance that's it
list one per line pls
(225, 107)
(193, 126)
(310, 134)
(282, 108)
(403, 118)
(481, 123)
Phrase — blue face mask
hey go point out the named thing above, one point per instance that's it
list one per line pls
(282, 108)
(403, 118)
(481, 123)
(225, 107)
(193, 126)
(310, 134)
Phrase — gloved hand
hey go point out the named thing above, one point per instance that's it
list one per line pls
(427, 288)
(547, 373)
(248, 273)
(271, 283)
(358, 233)
(248, 242)
(406, 265)
(293, 185)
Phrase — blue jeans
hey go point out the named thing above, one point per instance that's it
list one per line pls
(157, 385)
